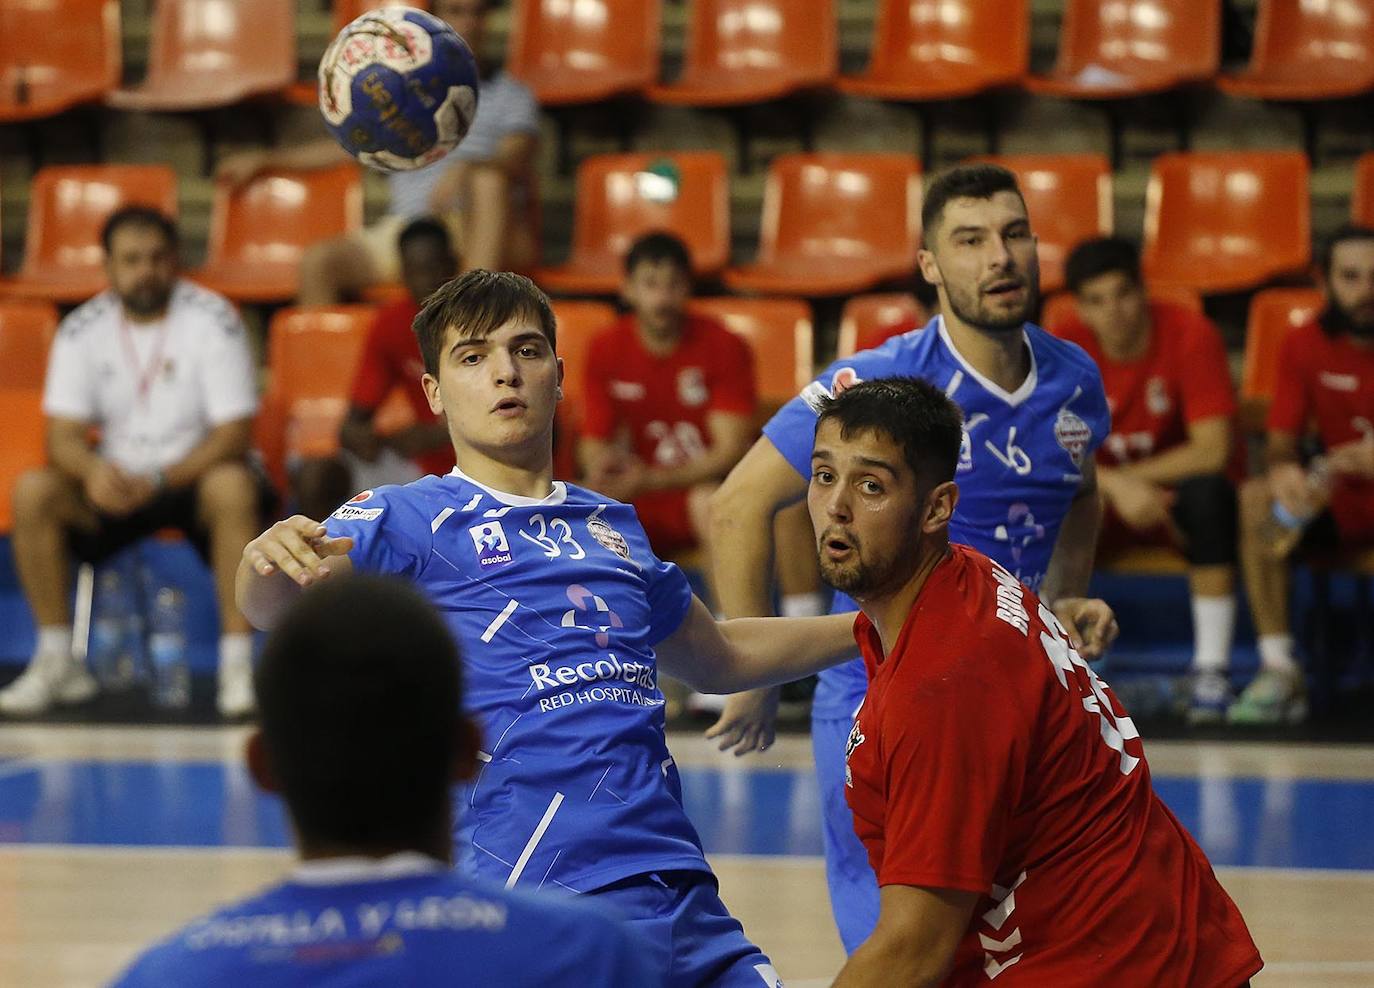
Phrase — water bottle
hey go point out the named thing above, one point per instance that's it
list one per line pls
(115, 640)
(167, 650)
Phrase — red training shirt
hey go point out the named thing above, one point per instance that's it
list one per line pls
(987, 757)
(1327, 383)
(1182, 378)
(391, 360)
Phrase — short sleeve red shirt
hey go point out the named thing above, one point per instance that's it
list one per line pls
(1182, 378)
(987, 757)
(391, 360)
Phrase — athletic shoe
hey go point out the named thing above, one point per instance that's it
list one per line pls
(1273, 697)
(50, 679)
(1211, 697)
(235, 698)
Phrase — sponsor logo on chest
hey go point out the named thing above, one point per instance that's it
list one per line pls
(1339, 382)
(691, 387)
(489, 541)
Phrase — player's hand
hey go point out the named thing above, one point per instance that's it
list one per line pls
(1355, 458)
(1090, 623)
(1290, 488)
(296, 547)
(622, 479)
(111, 491)
(240, 167)
(1141, 504)
(746, 723)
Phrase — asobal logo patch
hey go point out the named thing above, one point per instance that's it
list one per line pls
(490, 542)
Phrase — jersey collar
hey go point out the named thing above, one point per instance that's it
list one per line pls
(1012, 398)
(347, 871)
(558, 495)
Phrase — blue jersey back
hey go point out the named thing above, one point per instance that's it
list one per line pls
(426, 927)
(1021, 461)
(557, 605)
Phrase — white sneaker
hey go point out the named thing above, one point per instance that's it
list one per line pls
(1273, 697)
(49, 679)
(235, 698)
(1210, 700)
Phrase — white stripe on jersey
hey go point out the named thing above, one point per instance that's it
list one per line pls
(499, 620)
(534, 840)
(440, 518)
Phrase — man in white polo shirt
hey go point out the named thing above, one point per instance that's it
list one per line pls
(163, 369)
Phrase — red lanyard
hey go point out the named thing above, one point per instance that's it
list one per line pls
(145, 374)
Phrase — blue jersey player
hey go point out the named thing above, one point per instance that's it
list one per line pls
(566, 619)
(1034, 411)
(359, 691)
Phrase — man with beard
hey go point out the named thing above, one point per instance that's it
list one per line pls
(1000, 788)
(1034, 412)
(1316, 502)
(163, 370)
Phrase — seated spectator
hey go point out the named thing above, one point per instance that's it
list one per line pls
(1318, 492)
(482, 189)
(362, 734)
(391, 360)
(162, 368)
(1162, 470)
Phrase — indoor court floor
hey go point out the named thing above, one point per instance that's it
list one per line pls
(110, 837)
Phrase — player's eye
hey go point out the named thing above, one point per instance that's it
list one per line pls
(871, 487)
(966, 241)
(529, 350)
(470, 359)
(822, 476)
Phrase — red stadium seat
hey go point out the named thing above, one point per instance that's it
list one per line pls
(1274, 313)
(259, 230)
(1226, 221)
(56, 54)
(621, 197)
(779, 331)
(68, 205)
(1362, 198)
(26, 332)
(835, 224)
(584, 52)
(208, 53)
(1308, 51)
(749, 51)
(1060, 307)
(1069, 198)
(869, 321)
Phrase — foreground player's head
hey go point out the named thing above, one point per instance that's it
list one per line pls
(1104, 276)
(1347, 270)
(487, 339)
(361, 732)
(427, 257)
(658, 283)
(978, 250)
(141, 246)
(882, 483)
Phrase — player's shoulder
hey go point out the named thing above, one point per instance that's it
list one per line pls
(505, 90)
(397, 315)
(611, 337)
(89, 317)
(910, 354)
(1059, 354)
(399, 501)
(206, 314)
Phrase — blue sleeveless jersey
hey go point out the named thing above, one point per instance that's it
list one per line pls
(1019, 467)
(425, 926)
(557, 605)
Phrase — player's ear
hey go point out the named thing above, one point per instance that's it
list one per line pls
(467, 742)
(259, 764)
(562, 372)
(930, 271)
(431, 385)
(940, 504)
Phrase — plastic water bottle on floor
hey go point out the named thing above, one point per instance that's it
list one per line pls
(115, 640)
(167, 650)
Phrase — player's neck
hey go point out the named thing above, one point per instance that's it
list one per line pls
(143, 318)
(439, 847)
(999, 355)
(1123, 349)
(661, 343)
(522, 474)
(889, 613)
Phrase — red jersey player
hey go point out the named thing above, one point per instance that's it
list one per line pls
(670, 399)
(1325, 392)
(1000, 789)
(1162, 470)
(391, 359)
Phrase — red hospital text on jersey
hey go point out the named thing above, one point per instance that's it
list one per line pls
(987, 757)
(391, 360)
(1327, 384)
(1182, 378)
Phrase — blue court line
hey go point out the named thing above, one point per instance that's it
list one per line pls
(1244, 822)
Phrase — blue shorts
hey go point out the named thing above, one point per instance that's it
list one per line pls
(697, 943)
(853, 886)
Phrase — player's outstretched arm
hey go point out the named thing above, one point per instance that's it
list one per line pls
(282, 561)
(1090, 622)
(914, 942)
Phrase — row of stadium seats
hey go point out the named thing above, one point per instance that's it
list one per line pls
(833, 224)
(314, 353)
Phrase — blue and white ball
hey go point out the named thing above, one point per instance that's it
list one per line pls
(398, 88)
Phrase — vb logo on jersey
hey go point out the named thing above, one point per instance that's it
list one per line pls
(490, 542)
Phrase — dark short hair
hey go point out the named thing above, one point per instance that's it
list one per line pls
(1101, 255)
(425, 228)
(1342, 234)
(476, 304)
(144, 216)
(359, 697)
(657, 247)
(913, 413)
(982, 180)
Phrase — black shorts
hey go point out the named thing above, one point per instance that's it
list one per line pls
(1321, 536)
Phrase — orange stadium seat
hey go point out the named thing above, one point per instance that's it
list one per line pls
(1362, 198)
(749, 51)
(584, 52)
(56, 54)
(208, 53)
(578, 322)
(1069, 198)
(259, 230)
(1059, 307)
(68, 205)
(1226, 221)
(26, 332)
(780, 332)
(835, 224)
(1274, 312)
(620, 197)
(1308, 51)
(1112, 49)
(868, 321)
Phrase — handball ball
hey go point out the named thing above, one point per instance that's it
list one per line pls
(398, 88)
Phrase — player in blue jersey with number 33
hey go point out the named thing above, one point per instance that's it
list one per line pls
(565, 618)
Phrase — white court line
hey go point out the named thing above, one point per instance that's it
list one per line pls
(534, 840)
(499, 620)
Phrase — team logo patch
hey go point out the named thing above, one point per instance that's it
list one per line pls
(609, 538)
(691, 387)
(346, 512)
(490, 542)
(965, 453)
(1157, 396)
(1072, 433)
(856, 738)
(359, 498)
